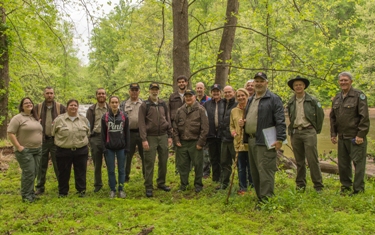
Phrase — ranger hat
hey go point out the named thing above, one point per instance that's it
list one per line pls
(216, 86)
(134, 86)
(261, 75)
(189, 92)
(154, 85)
(298, 78)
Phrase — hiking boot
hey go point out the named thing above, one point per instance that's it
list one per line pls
(122, 194)
(112, 194)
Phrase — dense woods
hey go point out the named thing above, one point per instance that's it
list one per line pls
(222, 41)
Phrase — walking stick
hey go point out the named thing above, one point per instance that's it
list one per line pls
(231, 181)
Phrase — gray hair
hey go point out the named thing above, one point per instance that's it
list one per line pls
(251, 80)
(346, 74)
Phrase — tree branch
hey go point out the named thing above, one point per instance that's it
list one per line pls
(140, 82)
(163, 37)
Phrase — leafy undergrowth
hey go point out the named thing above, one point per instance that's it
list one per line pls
(289, 212)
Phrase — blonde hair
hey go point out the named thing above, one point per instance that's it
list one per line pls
(243, 90)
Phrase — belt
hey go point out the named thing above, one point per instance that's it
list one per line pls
(251, 136)
(74, 148)
(304, 128)
(134, 130)
(48, 137)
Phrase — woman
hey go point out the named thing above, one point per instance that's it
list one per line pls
(115, 137)
(71, 132)
(26, 133)
(237, 113)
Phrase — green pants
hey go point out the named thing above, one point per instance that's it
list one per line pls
(159, 145)
(227, 157)
(96, 146)
(348, 153)
(262, 168)
(29, 163)
(48, 148)
(187, 154)
(304, 143)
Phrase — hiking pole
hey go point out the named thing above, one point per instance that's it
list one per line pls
(232, 179)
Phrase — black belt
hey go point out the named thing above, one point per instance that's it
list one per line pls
(134, 130)
(304, 128)
(74, 148)
(48, 137)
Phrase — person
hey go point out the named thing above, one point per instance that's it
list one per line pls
(263, 110)
(306, 120)
(71, 131)
(213, 137)
(249, 86)
(190, 141)
(155, 131)
(94, 115)
(201, 97)
(237, 113)
(228, 152)
(46, 112)
(26, 134)
(350, 124)
(131, 108)
(116, 140)
(176, 100)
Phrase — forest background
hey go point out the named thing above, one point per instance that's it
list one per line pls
(214, 41)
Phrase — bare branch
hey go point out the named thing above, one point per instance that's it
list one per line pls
(163, 37)
(140, 82)
(191, 2)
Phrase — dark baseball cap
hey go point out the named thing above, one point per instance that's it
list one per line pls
(134, 86)
(216, 86)
(261, 75)
(154, 85)
(189, 92)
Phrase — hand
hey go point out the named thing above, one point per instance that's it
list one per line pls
(178, 144)
(234, 134)
(145, 145)
(198, 147)
(358, 140)
(20, 149)
(278, 145)
(334, 140)
(241, 122)
(169, 142)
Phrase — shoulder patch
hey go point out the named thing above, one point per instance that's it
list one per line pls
(362, 96)
(319, 104)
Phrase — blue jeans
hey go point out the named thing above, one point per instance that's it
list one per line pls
(110, 161)
(244, 175)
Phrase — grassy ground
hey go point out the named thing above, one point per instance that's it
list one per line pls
(289, 212)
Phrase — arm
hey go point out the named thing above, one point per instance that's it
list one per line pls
(279, 118)
(204, 129)
(16, 144)
(232, 125)
(364, 121)
(103, 132)
(127, 134)
(319, 117)
(176, 133)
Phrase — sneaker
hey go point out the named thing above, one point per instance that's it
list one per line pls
(121, 194)
(112, 194)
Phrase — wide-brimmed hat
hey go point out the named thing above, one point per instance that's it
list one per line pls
(298, 78)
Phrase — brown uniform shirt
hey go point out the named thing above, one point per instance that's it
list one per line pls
(28, 131)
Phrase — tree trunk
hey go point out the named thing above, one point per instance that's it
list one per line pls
(226, 44)
(4, 76)
(181, 56)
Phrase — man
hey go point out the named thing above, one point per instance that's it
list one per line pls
(306, 120)
(190, 141)
(228, 152)
(176, 100)
(350, 123)
(264, 110)
(213, 137)
(249, 86)
(202, 98)
(131, 108)
(94, 115)
(155, 131)
(47, 111)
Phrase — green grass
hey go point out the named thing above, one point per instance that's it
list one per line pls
(5, 143)
(289, 212)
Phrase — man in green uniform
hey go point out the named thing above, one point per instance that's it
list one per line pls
(350, 123)
(190, 141)
(306, 119)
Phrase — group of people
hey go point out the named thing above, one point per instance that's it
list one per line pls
(207, 133)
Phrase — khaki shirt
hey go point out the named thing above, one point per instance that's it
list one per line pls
(300, 114)
(252, 117)
(28, 131)
(70, 134)
(99, 112)
(131, 109)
